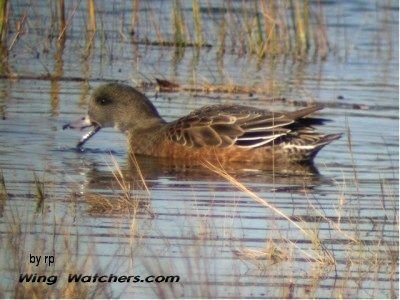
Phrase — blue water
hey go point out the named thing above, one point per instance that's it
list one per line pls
(193, 222)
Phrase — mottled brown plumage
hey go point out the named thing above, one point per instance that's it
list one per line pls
(217, 132)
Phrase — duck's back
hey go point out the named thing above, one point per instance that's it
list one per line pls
(237, 133)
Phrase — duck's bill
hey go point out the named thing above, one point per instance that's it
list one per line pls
(87, 136)
(81, 124)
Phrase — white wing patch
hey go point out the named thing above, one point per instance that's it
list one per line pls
(263, 140)
(299, 147)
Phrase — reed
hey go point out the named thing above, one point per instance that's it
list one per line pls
(273, 253)
(91, 22)
(160, 39)
(258, 28)
(3, 22)
(20, 241)
(209, 90)
(321, 257)
(3, 196)
(135, 17)
(63, 23)
(276, 28)
(3, 189)
(178, 24)
(221, 38)
(125, 203)
(278, 256)
(320, 35)
(300, 20)
(266, 30)
(40, 193)
(198, 28)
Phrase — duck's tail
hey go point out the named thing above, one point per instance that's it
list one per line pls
(306, 146)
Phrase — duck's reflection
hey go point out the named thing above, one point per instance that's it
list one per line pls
(128, 185)
(147, 172)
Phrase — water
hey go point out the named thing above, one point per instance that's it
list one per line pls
(193, 222)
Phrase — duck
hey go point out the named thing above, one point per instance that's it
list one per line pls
(221, 132)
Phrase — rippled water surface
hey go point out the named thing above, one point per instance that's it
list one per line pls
(332, 234)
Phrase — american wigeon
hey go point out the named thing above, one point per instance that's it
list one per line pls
(216, 132)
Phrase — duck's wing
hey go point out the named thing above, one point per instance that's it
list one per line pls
(232, 125)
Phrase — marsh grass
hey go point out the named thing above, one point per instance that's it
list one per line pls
(178, 24)
(322, 255)
(3, 22)
(124, 202)
(62, 26)
(272, 253)
(197, 23)
(277, 30)
(26, 235)
(54, 234)
(3, 189)
(300, 19)
(361, 257)
(39, 192)
(4, 67)
(221, 38)
(65, 24)
(258, 27)
(3, 194)
(209, 89)
(48, 232)
(135, 17)
(70, 264)
(91, 22)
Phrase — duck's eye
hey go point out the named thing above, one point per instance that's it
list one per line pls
(103, 101)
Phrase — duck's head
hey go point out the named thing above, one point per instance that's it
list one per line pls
(116, 105)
